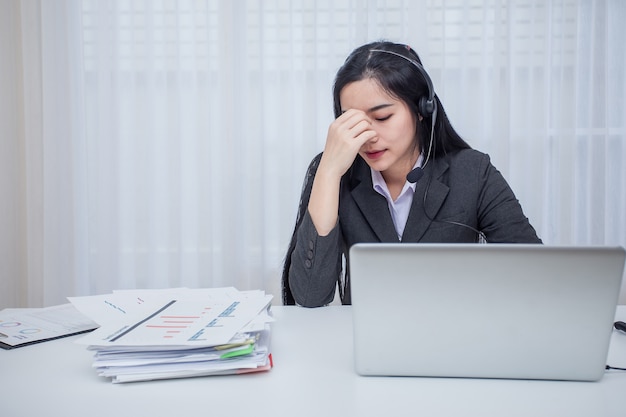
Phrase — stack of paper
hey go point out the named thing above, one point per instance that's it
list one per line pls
(176, 333)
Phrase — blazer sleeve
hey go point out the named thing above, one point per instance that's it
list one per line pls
(313, 263)
(500, 214)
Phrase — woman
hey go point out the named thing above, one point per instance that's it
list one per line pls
(393, 170)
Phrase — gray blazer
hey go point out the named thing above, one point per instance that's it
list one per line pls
(458, 195)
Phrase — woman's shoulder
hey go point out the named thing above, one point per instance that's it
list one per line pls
(465, 159)
(467, 155)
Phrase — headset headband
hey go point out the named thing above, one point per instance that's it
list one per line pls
(426, 105)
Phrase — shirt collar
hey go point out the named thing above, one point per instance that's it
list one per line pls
(380, 185)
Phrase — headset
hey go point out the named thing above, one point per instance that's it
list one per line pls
(426, 104)
(427, 107)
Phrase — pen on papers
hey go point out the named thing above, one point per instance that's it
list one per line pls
(620, 325)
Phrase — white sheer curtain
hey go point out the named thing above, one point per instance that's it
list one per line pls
(150, 144)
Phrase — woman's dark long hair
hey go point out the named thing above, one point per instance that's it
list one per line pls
(402, 80)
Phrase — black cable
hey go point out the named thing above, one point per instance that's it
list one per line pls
(481, 238)
(621, 326)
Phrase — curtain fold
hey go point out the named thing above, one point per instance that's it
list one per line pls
(12, 230)
(150, 144)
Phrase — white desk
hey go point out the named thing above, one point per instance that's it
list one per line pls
(313, 376)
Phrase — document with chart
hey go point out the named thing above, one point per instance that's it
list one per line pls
(25, 326)
(178, 333)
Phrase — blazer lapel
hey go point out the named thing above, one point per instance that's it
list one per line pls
(376, 211)
(372, 205)
(420, 216)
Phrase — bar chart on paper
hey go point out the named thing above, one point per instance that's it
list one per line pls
(172, 325)
(187, 320)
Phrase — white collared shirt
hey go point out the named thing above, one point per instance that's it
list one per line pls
(401, 207)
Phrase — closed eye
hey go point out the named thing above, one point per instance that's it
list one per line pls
(382, 119)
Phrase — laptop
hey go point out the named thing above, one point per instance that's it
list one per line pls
(516, 311)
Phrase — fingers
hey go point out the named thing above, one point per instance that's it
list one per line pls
(346, 135)
(353, 124)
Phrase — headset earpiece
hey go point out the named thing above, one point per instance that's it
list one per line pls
(426, 106)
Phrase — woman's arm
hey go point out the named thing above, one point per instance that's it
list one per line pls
(313, 262)
(500, 213)
(315, 265)
(314, 259)
(345, 137)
